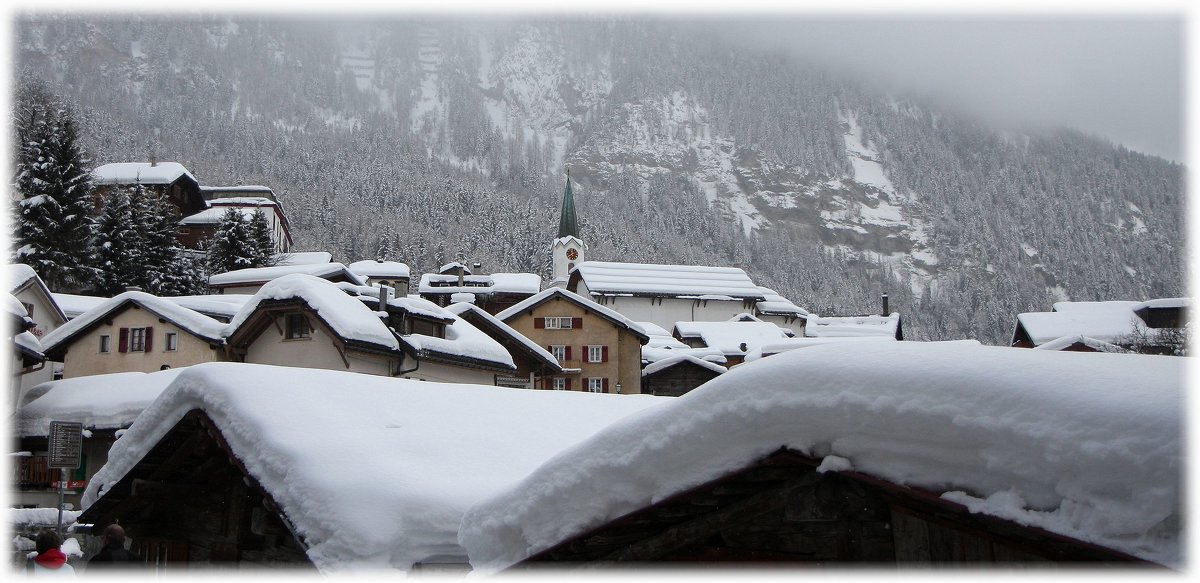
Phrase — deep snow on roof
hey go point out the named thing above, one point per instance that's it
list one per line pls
(106, 401)
(262, 274)
(216, 214)
(1087, 445)
(1164, 303)
(586, 303)
(1067, 341)
(871, 325)
(458, 309)
(603, 277)
(301, 434)
(18, 274)
(771, 348)
(376, 268)
(224, 305)
(728, 337)
(73, 304)
(303, 258)
(775, 304)
(677, 359)
(1106, 321)
(188, 320)
(140, 172)
(345, 314)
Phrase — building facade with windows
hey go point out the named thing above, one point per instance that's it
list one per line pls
(134, 332)
(599, 349)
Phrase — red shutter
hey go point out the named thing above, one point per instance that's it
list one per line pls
(604, 354)
(568, 353)
(604, 385)
(123, 343)
(568, 382)
(577, 323)
(149, 338)
(539, 322)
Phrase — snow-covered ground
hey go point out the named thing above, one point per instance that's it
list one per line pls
(1084, 445)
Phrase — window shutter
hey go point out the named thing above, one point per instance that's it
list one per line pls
(568, 356)
(539, 323)
(604, 385)
(577, 323)
(123, 343)
(604, 355)
(568, 381)
(149, 337)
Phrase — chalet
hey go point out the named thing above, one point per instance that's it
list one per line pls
(380, 272)
(248, 281)
(676, 375)
(1155, 326)
(168, 179)
(780, 311)
(26, 350)
(733, 338)
(104, 404)
(662, 344)
(251, 465)
(198, 228)
(134, 331)
(665, 294)
(493, 292)
(535, 365)
(42, 309)
(905, 453)
(598, 348)
(888, 326)
(302, 320)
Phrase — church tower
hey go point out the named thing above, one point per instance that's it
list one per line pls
(567, 250)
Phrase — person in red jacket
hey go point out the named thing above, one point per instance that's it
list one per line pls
(50, 559)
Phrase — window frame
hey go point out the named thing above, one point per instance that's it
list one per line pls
(559, 352)
(558, 383)
(137, 339)
(558, 322)
(595, 353)
(105, 343)
(171, 342)
(293, 332)
(595, 384)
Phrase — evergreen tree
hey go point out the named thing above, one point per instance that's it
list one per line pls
(117, 245)
(54, 222)
(232, 247)
(260, 236)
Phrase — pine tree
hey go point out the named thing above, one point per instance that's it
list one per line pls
(232, 247)
(117, 245)
(54, 229)
(260, 237)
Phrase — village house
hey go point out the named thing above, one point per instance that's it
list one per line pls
(199, 228)
(167, 179)
(494, 292)
(43, 310)
(380, 272)
(598, 348)
(780, 311)
(733, 338)
(1154, 326)
(248, 281)
(134, 331)
(676, 375)
(535, 365)
(224, 470)
(26, 350)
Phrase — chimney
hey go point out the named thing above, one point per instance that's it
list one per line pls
(153, 161)
(885, 305)
(477, 267)
(461, 270)
(129, 288)
(386, 293)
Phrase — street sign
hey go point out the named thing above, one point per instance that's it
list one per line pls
(66, 444)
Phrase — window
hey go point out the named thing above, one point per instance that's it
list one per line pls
(297, 327)
(172, 342)
(559, 351)
(28, 309)
(558, 384)
(137, 339)
(558, 323)
(597, 354)
(596, 385)
(105, 343)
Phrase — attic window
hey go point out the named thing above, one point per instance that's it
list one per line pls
(297, 327)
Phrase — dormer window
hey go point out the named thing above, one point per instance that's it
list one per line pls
(297, 327)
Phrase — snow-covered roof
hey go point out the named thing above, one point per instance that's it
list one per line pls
(346, 315)
(242, 188)
(18, 274)
(73, 305)
(1106, 321)
(187, 320)
(671, 361)
(516, 283)
(462, 341)
(223, 305)
(104, 401)
(603, 278)
(770, 348)
(303, 258)
(237, 201)
(29, 345)
(777, 305)
(214, 216)
(14, 307)
(1163, 303)
(873, 325)
(140, 172)
(414, 304)
(460, 309)
(585, 303)
(1086, 445)
(264, 274)
(1068, 341)
(313, 440)
(379, 268)
(454, 265)
(729, 336)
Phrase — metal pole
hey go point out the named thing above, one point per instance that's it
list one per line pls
(62, 490)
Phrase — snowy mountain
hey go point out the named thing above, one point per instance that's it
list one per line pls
(424, 140)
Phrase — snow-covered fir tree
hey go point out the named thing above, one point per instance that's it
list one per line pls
(260, 236)
(117, 245)
(234, 245)
(54, 213)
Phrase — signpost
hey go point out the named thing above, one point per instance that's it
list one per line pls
(66, 447)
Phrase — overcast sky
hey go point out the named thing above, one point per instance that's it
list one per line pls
(1121, 78)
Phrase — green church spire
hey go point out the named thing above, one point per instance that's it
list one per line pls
(566, 221)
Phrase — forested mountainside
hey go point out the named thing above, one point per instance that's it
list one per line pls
(424, 141)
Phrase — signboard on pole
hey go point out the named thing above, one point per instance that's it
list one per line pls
(66, 445)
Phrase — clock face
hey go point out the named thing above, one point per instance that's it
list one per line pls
(572, 254)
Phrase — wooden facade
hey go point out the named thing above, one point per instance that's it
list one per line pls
(191, 502)
(780, 511)
(677, 379)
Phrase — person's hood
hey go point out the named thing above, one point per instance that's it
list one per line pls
(51, 559)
